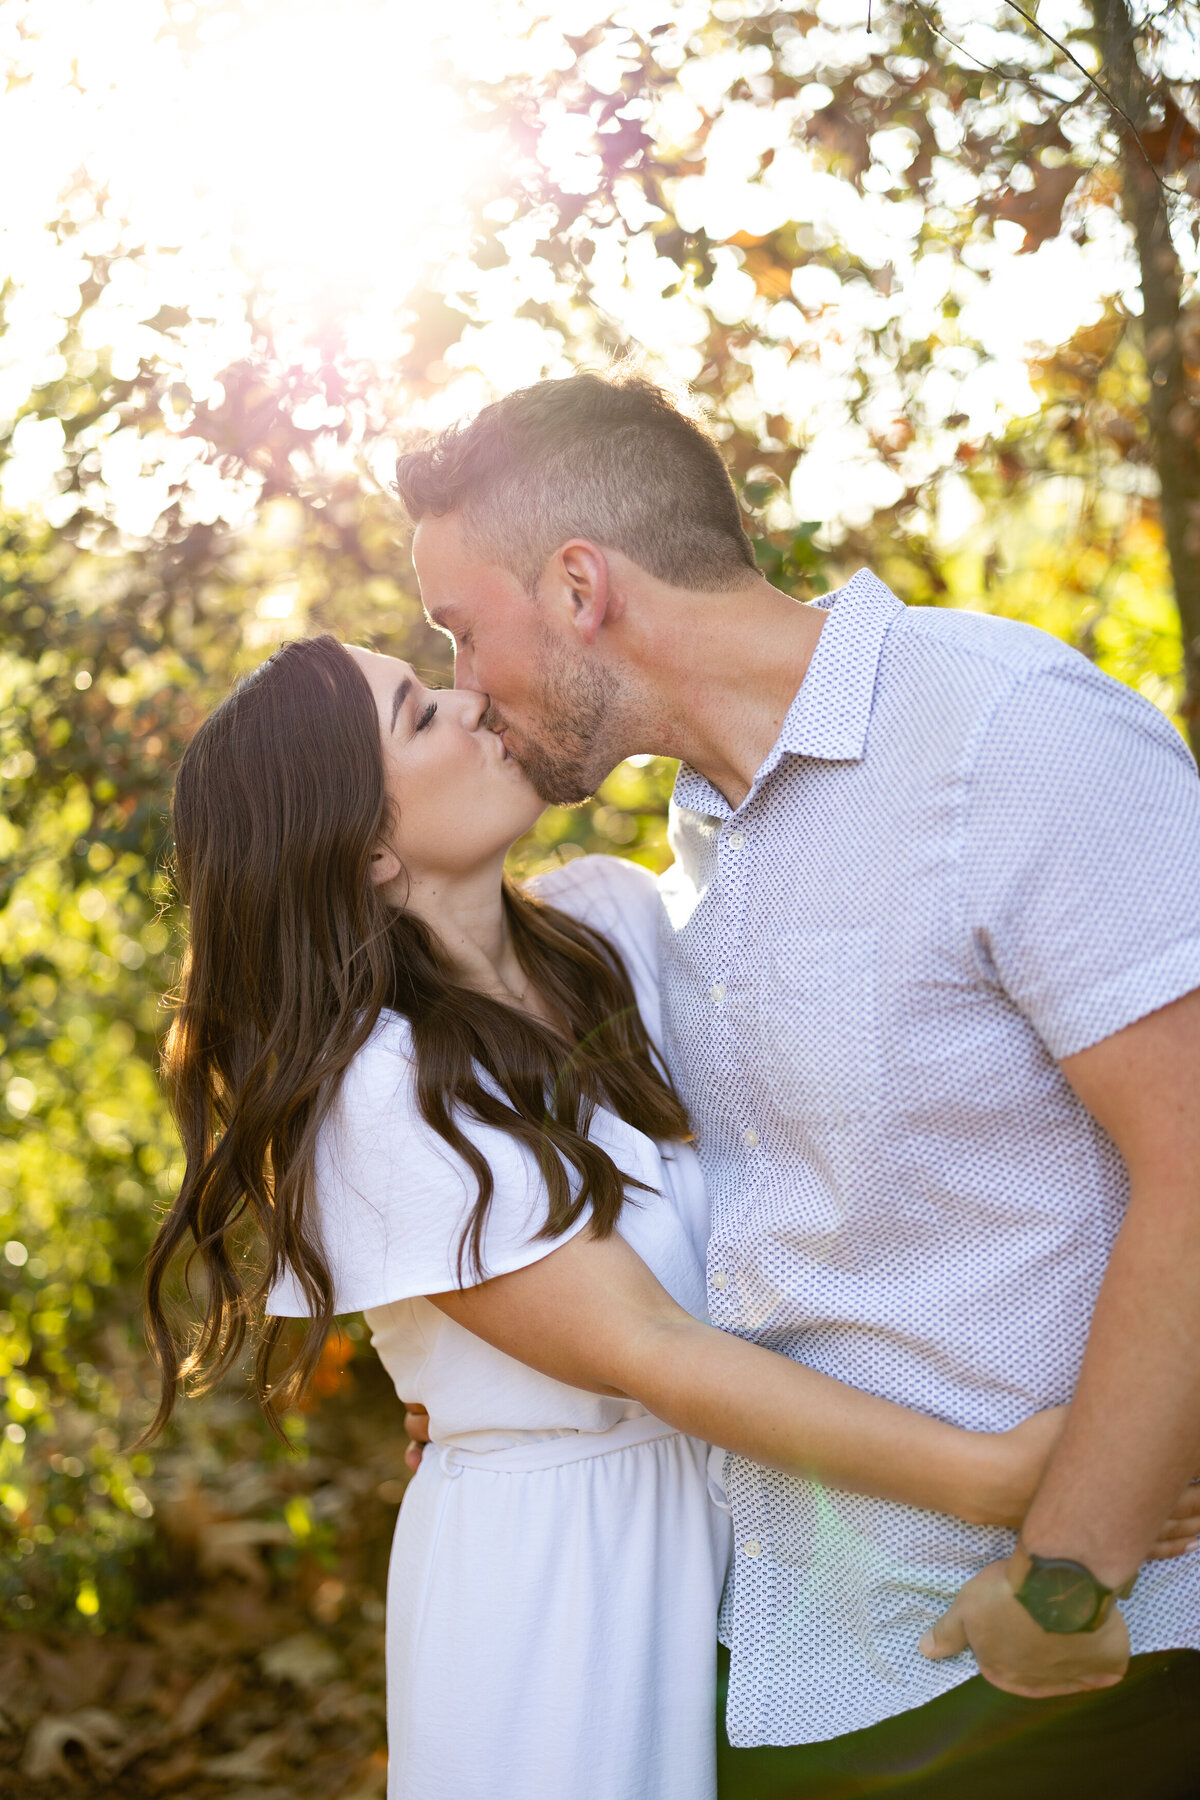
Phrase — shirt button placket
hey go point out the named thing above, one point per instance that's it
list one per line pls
(733, 890)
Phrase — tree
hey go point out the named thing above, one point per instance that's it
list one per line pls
(807, 220)
(1161, 140)
(883, 165)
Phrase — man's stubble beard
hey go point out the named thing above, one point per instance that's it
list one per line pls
(577, 707)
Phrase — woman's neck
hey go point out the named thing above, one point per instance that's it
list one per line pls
(470, 921)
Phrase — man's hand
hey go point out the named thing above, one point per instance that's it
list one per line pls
(416, 1424)
(1012, 1650)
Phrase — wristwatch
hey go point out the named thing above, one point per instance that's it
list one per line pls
(1062, 1596)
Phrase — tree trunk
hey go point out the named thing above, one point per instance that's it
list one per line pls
(1174, 419)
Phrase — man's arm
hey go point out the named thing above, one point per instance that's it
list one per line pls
(1133, 1432)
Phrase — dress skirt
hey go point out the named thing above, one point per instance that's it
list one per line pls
(551, 1621)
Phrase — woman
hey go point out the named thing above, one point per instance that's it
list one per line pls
(433, 1098)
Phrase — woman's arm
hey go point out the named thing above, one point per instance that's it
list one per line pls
(593, 1315)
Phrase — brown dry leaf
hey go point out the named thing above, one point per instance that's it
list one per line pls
(93, 1730)
(138, 1679)
(1037, 210)
(232, 1544)
(76, 1677)
(202, 1702)
(369, 1782)
(260, 1757)
(305, 1659)
(172, 1773)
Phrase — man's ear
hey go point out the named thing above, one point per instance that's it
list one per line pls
(580, 576)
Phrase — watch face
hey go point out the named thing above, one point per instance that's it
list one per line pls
(1061, 1596)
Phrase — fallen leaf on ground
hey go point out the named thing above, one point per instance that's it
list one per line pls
(202, 1702)
(93, 1730)
(259, 1757)
(305, 1659)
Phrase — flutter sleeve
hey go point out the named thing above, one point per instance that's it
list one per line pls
(392, 1199)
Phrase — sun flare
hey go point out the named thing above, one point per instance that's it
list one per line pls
(322, 146)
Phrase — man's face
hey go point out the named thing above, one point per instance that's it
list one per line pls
(550, 701)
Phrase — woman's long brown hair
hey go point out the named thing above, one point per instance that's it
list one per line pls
(292, 956)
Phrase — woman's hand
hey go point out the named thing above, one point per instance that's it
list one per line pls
(416, 1426)
(1020, 1462)
(1020, 1458)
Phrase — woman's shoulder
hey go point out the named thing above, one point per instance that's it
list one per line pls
(393, 1197)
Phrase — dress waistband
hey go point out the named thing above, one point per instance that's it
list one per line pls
(554, 1453)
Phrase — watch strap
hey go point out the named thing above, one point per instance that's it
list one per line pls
(1025, 1567)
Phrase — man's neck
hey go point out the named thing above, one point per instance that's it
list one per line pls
(721, 675)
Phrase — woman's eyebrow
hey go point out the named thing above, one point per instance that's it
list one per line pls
(398, 698)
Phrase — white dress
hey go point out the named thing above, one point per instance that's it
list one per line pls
(558, 1559)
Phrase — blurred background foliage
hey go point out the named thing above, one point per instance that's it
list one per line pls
(938, 299)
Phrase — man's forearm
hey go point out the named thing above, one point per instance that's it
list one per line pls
(1132, 1438)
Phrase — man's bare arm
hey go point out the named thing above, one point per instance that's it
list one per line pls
(1133, 1431)
(1135, 1417)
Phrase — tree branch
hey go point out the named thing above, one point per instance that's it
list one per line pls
(1098, 85)
(1021, 75)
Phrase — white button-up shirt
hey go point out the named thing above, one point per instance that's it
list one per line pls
(968, 855)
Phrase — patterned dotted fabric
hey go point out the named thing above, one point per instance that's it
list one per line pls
(969, 854)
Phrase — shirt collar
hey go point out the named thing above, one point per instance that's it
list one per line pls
(831, 713)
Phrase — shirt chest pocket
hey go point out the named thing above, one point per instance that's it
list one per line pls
(818, 1018)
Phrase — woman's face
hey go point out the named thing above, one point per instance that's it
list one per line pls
(458, 799)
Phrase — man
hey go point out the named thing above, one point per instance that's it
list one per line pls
(931, 968)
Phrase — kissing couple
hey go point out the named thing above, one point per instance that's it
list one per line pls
(803, 1248)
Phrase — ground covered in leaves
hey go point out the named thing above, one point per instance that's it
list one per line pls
(252, 1666)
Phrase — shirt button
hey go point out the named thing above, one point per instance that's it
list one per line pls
(736, 839)
(752, 1548)
(718, 991)
(720, 1279)
(750, 1137)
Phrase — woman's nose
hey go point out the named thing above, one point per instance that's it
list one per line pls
(476, 704)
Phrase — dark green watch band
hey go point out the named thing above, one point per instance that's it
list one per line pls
(1063, 1596)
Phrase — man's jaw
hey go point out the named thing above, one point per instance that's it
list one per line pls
(557, 779)
(554, 780)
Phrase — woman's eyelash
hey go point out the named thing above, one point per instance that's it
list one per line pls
(426, 717)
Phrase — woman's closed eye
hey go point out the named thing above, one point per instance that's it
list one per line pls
(426, 717)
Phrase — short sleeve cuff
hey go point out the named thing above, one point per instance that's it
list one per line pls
(358, 1290)
(1075, 1020)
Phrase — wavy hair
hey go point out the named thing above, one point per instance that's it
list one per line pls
(292, 955)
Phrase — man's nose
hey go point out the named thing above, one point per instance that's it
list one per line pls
(464, 675)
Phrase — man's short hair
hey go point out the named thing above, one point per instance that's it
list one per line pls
(609, 458)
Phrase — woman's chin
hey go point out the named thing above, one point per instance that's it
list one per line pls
(527, 805)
